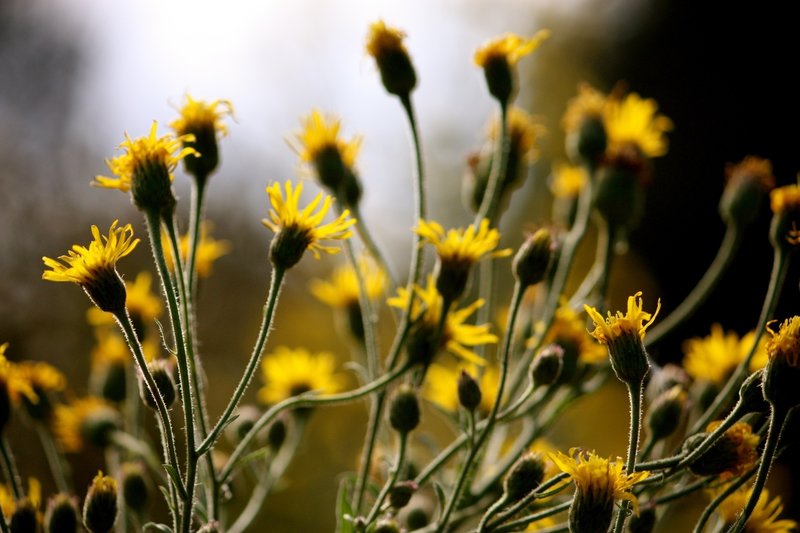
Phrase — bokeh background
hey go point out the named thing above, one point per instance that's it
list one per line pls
(76, 74)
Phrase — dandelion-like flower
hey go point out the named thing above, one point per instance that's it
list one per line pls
(341, 290)
(598, 482)
(385, 44)
(299, 230)
(441, 386)
(765, 517)
(146, 169)
(208, 250)
(199, 125)
(782, 373)
(94, 268)
(12, 388)
(568, 180)
(82, 421)
(458, 250)
(290, 372)
(733, 454)
(499, 57)
(623, 335)
(43, 380)
(785, 204)
(785, 343)
(524, 134)
(583, 122)
(635, 121)
(456, 337)
(715, 357)
(24, 510)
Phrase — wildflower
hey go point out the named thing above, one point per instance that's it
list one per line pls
(22, 514)
(12, 388)
(623, 335)
(385, 44)
(143, 306)
(199, 126)
(524, 477)
(785, 204)
(633, 121)
(146, 170)
(297, 231)
(583, 122)
(161, 370)
(94, 268)
(567, 180)
(499, 57)
(746, 183)
(532, 260)
(765, 517)
(665, 413)
(135, 487)
(457, 251)
(401, 494)
(598, 483)
(83, 420)
(546, 367)
(404, 412)
(100, 507)
(62, 514)
(441, 386)
(715, 357)
(44, 380)
(208, 251)
(782, 372)
(290, 372)
(456, 335)
(733, 454)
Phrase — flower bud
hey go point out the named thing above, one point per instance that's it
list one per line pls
(469, 392)
(666, 412)
(746, 185)
(785, 204)
(246, 417)
(100, 506)
(108, 380)
(533, 258)
(401, 494)
(751, 395)
(135, 487)
(276, 433)
(782, 373)
(546, 366)
(151, 189)
(404, 411)
(416, 518)
(387, 525)
(618, 193)
(644, 522)
(99, 424)
(526, 474)
(385, 44)
(61, 515)
(588, 142)
(24, 519)
(732, 454)
(162, 375)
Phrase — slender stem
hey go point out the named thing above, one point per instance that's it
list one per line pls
(730, 489)
(55, 460)
(658, 464)
(368, 317)
(779, 266)
(136, 446)
(709, 441)
(372, 247)
(393, 477)
(635, 399)
(776, 423)
(10, 469)
(605, 256)
(305, 400)
(496, 506)
(540, 492)
(195, 222)
(276, 282)
(522, 522)
(491, 197)
(706, 285)
(647, 449)
(3, 524)
(516, 300)
(680, 493)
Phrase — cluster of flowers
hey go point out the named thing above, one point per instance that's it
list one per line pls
(500, 406)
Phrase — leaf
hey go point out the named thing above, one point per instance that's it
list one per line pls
(344, 512)
(176, 479)
(158, 527)
(440, 497)
(167, 497)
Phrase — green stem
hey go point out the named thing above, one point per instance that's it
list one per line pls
(372, 247)
(709, 441)
(680, 493)
(647, 449)
(540, 492)
(393, 477)
(635, 399)
(779, 266)
(730, 489)
(195, 222)
(139, 448)
(776, 423)
(522, 522)
(276, 282)
(516, 300)
(595, 285)
(10, 469)
(496, 506)
(491, 197)
(305, 400)
(726, 252)
(55, 460)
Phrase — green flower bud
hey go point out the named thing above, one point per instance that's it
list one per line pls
(385, 44)
(469, 392)
(135, 487)
(547, 365)
(417, 518)
(404, 412)
(401, 494)
(526, 474)
(100, 507)
(162, 375)
(108, 380)
(666, 412)
(61, 515)
(746, 185)
(276, 433)
(533, 258)
(24, 519)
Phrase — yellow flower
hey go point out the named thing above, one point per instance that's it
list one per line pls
(209, 250)
(509, 48)
(736, 449)
(110, 349)
(569, 331)
(341, 291)
(785, 344)
(143, 306)
(320, 134)
(785, 203)
(383, 39)
(765, 516)
(290, 372)
(713, 358)
(634, 322)
(752, 168)
(597, 478)
(524, 133)
(142, 156)
(40, 376)
(441, 385)
(9, 504)
(15, 385)
(633, 120)
(590, 104)
(456, 335)
(460, 247)
(568, 180)
(198, 115)
(83, 420)
(385, 44)
(786, 198)
(299, 230)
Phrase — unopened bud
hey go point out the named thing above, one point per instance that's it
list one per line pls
(109, 381)
(533, 258)
(526, 474)
(246, 417)
(404, 411)
(61, 515)
(417, 518)
(135, 488)
(666, 412)
(100, 507)
(746, 185)
(401, 494)
(24, 518)
(751, 396)
(387, 525)
(276, 433)
(385, 44)
(162, 375)
(469, 392)
(547, 365)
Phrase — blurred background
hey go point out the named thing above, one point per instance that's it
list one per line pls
(75, 75)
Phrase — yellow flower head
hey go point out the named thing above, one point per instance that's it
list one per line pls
(568, 180)
(143, 305)
(208, 251)
(752, 168)
(40, 376)
(713, 358)
(785, 344)
(111, 349)
(383, 40)
(569, 331)
(441, 385)
(9, 504)
(290, 372)
(13, 382)
(88, 419)
(385, 44)
(457, 335)
(462, 246)
(634, 121)
(785, 203)
(784, 199)
(735, 453)
(597, 478)
(524, 133)
(509, 48)
(320, 136)
(143, 155)
(341, 291)
(299, 230)
(635, 321)
(198, 116)
(765, 517)
(590, 104)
